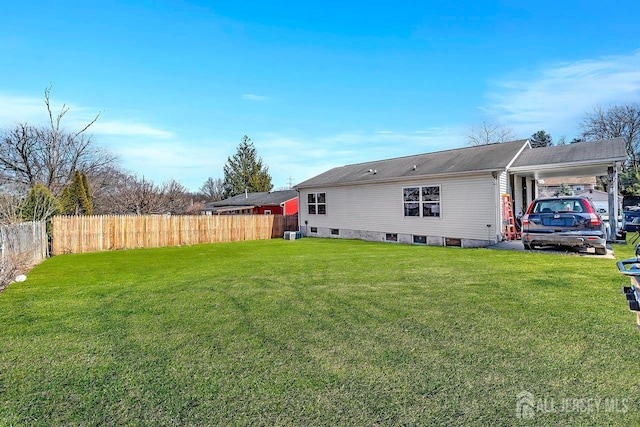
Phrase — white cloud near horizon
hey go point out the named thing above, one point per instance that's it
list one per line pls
(301, 158)
(253, 97)
(289, 157)
(21, 109)
(557, 96)
(32, 110)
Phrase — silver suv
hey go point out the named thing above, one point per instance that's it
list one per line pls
(564, 221)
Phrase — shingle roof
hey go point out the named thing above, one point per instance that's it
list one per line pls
(597, 151)
(489, 157)
(272, 198)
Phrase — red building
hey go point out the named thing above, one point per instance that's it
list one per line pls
(267, 203)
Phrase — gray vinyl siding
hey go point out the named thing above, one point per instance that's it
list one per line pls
(467, 204)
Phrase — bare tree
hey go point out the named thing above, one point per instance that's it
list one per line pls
(125, 193)
(489, 133)
(177, 199)
(10, 208)
(213, 189)
(49, 154)
(613, 122)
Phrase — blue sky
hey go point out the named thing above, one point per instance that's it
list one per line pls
(313, 84)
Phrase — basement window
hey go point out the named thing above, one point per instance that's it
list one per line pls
(450, 241)
(421, 240)
(335, 231)
(314, 229)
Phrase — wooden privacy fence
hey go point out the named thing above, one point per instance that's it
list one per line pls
(23, 243)
(78, 234)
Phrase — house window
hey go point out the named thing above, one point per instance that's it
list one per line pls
(317, 203)
(267, 212)
(421, 201)
(411, 202)
(335, 231)
(314, 229)
(392, 237)
(431, 201)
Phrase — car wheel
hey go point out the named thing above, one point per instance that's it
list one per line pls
(527, 247)
(601, 251)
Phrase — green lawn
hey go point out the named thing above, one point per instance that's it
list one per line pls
(318, 332)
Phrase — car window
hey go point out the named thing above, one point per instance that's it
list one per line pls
(550, 206)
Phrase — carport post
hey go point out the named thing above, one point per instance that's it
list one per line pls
(612, 188)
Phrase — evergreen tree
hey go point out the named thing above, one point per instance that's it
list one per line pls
(87, 190)
(630, 182)
(39, 204)
(245, 171)
(564, 190)
(76, 197)
(540, 139)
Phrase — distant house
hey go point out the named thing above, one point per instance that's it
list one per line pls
(580, 186)
(551, 186)
(452, 197)
(265, 203)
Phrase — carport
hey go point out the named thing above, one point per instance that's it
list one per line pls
(597, 158)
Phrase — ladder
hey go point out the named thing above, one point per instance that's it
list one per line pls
(509, 231)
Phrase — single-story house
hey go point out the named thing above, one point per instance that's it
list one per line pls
(451, 197)
(265, 203)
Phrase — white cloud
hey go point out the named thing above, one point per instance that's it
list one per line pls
(557, 97)
(295, 157)
(20, 109)
(141, 147)
(253, 97)
(187, 162)
(32, 110)
(125, 128)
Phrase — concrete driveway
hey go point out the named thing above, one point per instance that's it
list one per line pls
(516, 245)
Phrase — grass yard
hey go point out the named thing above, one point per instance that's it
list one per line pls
(319, 332)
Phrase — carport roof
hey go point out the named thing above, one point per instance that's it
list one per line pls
(579, 159)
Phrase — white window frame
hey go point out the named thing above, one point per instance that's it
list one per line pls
(316, 203)
(421, 201)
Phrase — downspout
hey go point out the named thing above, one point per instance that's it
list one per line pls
(493, 236)
(300, 215)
